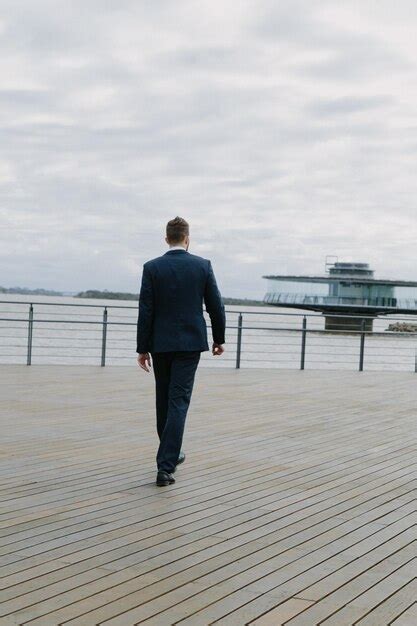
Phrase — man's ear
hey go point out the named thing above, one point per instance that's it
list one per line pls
(166, 239)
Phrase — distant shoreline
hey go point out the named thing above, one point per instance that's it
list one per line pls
(111, 295)
(115, 295)
(24, 291)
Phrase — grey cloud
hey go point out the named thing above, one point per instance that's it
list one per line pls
(346, 54)
(346, 105)
(24, 97)
(202, 59)
(358, 61)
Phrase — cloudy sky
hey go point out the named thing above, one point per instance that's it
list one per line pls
(283, 131)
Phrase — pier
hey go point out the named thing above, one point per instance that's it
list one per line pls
(296, 504)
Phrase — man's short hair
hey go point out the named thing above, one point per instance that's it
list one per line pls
(177, 230)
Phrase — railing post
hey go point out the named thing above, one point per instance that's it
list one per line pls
(239, 340)
(104, 338)
(303, 343)
(362, 346)
(30, 336)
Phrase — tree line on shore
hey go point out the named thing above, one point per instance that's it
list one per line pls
(112, 295)
(120, 295)
(26, 290)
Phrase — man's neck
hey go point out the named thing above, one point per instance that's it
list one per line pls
(177, 247)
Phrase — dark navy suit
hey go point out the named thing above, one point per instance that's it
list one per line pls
(172, 328)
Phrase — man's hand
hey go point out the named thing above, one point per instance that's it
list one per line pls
(217, 349)
(144, 361)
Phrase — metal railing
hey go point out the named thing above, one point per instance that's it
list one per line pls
(76, 332)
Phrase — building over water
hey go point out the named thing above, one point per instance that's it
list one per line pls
(348, 289)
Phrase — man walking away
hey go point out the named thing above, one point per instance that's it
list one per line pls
(172, 331)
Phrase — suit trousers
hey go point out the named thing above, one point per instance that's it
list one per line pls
(174, 380)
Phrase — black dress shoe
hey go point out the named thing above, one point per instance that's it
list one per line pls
(163, 479)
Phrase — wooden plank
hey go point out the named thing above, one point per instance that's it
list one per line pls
(407, 617)
(348, 604)
(394, 604)
(289, 608)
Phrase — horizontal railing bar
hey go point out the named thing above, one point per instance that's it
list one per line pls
(14, 319)
(347, 354)
(296, 360)
(400, 359)
(69, 356)
(95, 339)
(304, 313)
(384, 333)
(69, 304)
(96, 315)
(295, 330)
(377, 333)
(20, 312)
(59, 354)
(368, 348)
(344, 354)
(278, 353)
(84, 314)
(44, 346)
(99, 321)
(404, 348)
(41, 331)
(332, 360)
(287, 343)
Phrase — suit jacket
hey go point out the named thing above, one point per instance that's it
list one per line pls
(174, 287)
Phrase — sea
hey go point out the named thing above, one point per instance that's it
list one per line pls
(69, 330)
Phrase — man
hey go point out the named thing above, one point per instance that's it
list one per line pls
(171, 329)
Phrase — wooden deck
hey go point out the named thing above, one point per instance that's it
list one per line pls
(296, 504)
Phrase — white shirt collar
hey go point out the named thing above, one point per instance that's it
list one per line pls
(176, 248)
